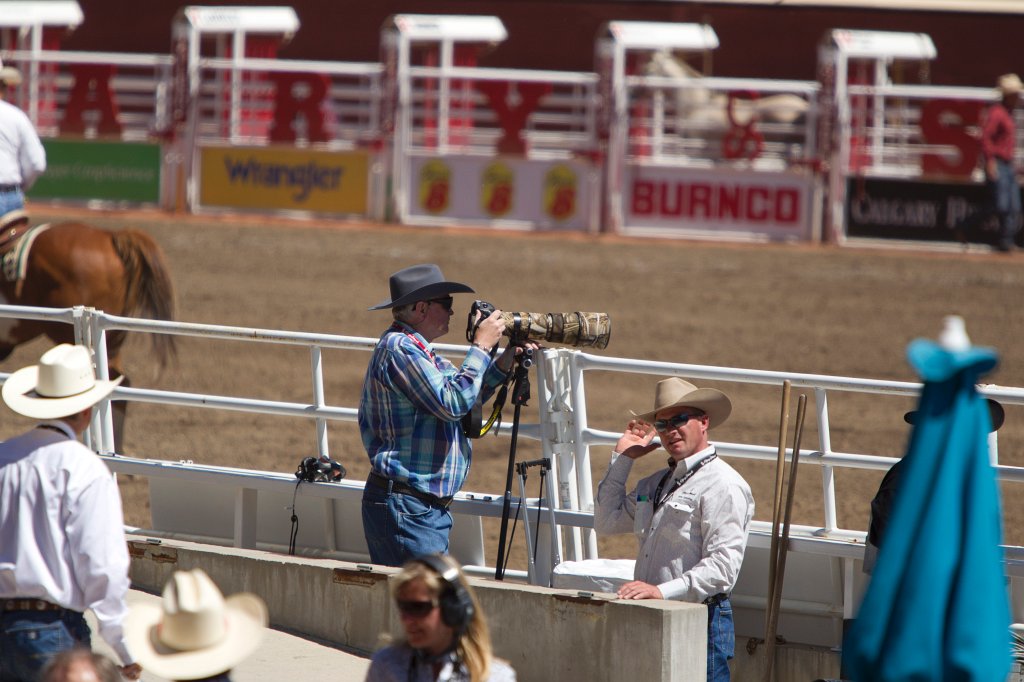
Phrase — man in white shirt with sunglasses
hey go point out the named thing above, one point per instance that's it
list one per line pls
(691, 518)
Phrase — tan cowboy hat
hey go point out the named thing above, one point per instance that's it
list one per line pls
(419, 283)
(675, 392)
(1010, 84)
(194, 632)
(62, 384)
(10, 76)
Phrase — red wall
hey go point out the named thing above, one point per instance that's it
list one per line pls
(757, 41)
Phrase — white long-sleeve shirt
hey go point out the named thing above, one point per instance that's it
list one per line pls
(62, 529)
(22, 157)
(691, 546)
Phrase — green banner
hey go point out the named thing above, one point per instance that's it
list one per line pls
(106, 171)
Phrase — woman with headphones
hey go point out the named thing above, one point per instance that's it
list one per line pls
(446, 635)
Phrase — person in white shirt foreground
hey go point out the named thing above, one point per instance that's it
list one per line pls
(691, 519)
(62, 544)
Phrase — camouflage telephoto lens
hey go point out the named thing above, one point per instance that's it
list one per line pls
(582, 330)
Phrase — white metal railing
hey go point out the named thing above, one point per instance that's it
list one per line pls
(139, 86)
(882, 127)
(563, 429)
(236, 101)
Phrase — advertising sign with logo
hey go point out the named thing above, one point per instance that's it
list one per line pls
(285, 179)
(518, 192)
(919, 211)
(712, 201)
(105, 171)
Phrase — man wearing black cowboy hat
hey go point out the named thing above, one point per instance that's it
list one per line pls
(881, 504)
(409, 416)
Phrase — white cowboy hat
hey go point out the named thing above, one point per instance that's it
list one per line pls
(62, 384)
(195, 632)
(674, 392)
(1010, 84)
(10, 75)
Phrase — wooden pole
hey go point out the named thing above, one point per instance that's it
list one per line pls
(784, 541)
(780, 469)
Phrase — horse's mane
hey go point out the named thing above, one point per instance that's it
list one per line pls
(664, 63)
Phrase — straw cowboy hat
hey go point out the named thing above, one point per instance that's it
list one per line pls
(194, 632)
(675, 392)
(420, 283)
(9, 75)
(1010, 84)
(62, 384)
(995, 412)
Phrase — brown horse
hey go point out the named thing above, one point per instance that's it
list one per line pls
(120, 272)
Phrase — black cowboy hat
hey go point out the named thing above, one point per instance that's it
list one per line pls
(420, 283)
(995, 412)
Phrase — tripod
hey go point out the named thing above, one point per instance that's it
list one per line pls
(520, 394)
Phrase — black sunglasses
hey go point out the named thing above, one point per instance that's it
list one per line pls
(663, 425)
(416, 609)
(447, 302)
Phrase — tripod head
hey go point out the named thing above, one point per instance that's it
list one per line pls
(521, 377)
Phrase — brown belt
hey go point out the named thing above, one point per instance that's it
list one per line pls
(378, 481)
(30, 605)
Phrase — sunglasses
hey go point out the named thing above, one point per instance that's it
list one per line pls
(416, 609)
(447, 302)
(663, 425)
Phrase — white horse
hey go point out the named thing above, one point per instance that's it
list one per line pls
(701, 105)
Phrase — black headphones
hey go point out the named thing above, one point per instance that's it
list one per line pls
(456, 604)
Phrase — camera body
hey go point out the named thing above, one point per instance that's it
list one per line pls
(582, 330)
(315, 470)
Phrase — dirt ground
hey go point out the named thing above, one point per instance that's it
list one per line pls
(814, 309)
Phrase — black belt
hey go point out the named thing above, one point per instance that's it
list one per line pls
(28, 604)
(716, 599)
(9, 188)
(391, 485)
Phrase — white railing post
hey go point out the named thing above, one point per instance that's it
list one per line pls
(103, 416)
(316, 362)
(584, 483)
(828, 482)
(553, 418)
(557, 420)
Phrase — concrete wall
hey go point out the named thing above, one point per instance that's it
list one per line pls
(547, 634)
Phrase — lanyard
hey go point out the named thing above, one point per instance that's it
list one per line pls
(658, 501)
(430, 353)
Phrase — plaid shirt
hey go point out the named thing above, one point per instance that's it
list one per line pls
(410, 409)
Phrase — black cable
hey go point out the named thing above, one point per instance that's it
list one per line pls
(540, 500)
(295, 521)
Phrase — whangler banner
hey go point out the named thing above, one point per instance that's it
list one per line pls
(284, 179)
(91, 170)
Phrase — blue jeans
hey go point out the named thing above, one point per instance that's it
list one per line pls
(28, 639)
(401, 527)
(1006, 202)
(721, 640)
(10, 201)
